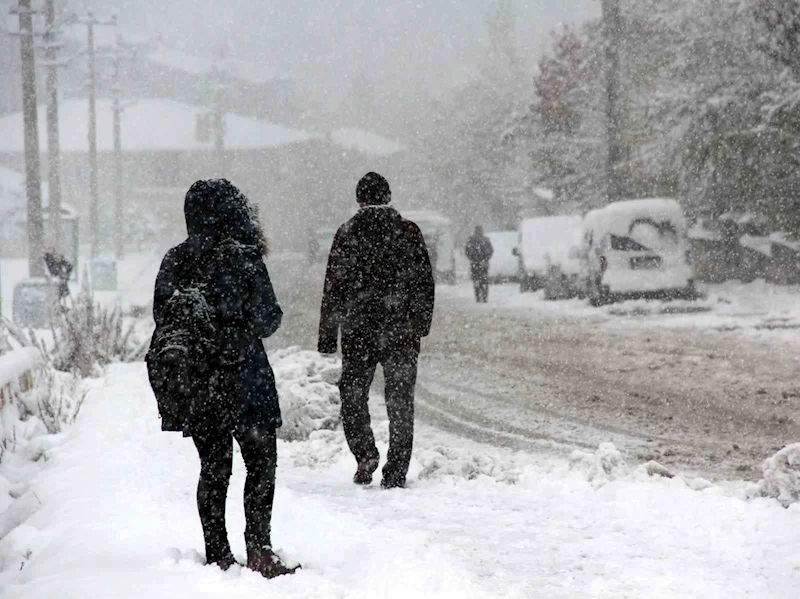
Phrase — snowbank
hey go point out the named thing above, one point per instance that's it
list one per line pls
(782, 475)
(601, 466)
(309, 395)
(443, 462)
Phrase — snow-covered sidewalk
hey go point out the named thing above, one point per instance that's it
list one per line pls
(116, 517)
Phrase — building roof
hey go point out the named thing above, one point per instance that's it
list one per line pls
(151, 124)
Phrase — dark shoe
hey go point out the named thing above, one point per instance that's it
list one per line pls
(393, 482)
(224, 563)
(366, 467)
(269, 565)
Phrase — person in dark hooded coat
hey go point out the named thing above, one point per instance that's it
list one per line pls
(223, 257)
(479, 251)
(379, 291)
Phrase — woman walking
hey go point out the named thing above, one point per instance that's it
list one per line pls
(213, 305)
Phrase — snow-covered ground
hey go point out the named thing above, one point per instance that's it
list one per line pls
(108, 510)
(758, 310)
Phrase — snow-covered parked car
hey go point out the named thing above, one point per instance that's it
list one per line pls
(437, 230)
(549, 250)
(637, 249)
(503, 266)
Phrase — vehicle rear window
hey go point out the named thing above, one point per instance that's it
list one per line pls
(626, 244)
(659, 236)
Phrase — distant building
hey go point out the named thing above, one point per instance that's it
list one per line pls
(300, 179)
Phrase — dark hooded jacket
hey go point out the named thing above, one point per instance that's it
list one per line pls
(222, 250)
(379, 287)
(478, 251)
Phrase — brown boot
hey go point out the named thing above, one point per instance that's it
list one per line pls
(366, 467)
(268, 564)
(225, 562)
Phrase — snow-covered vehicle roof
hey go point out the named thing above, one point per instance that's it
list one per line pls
(616, 218)
(548, 240)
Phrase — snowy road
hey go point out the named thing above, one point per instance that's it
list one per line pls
(712, 393)
(111, 514)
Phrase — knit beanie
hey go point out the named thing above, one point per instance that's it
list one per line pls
(373, 190)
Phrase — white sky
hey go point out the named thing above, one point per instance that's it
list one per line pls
(403, 47)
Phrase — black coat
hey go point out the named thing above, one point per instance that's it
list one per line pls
(245, 310)
(479, 251)
(379, 286)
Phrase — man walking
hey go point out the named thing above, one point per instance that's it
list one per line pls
(478, 251)
(379, 291)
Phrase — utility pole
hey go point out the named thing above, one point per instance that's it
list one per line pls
(90, 21)
(219, 119)
(612, 30)
(31, 132)
(116, 90)
(53, 145)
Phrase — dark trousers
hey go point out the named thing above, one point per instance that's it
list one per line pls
(399, 361)
(480, 282)
(259, 451)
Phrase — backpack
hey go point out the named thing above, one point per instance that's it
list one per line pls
(181, 358)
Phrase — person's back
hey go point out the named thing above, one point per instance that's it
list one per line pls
(479, 249)
(379, 291)
(378, 278)
(229, 392)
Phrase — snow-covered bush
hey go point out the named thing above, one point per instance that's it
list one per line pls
(309, 395)
(90, 335)
(600, 466)
(85, 336)
(782, 475)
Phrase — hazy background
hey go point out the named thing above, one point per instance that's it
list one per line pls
(396, 51)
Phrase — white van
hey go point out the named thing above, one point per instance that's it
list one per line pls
(547, 245)
(636, 249)
(503, 263)
(437, 230)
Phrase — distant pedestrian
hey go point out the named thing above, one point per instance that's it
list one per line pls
(213, 305)
(60, 269)
(479, 250)
(379, 292)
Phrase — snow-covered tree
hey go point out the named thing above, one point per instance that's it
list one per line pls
(779, 24)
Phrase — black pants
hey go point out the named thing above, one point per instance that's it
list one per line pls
(480, 282)
(259, 451)
(399, 361)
